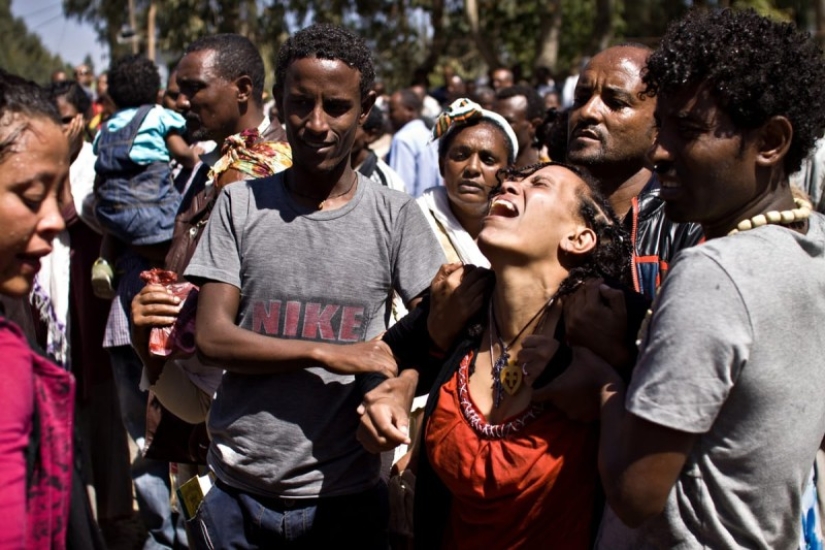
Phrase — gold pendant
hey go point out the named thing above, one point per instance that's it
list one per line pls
(511, 377)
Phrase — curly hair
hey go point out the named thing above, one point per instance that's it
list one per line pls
(755, 69)
(133, 81)
(235, 56)
(72, 92)
(326, 41)
(610, 258)
(19, 96)
(535, 104)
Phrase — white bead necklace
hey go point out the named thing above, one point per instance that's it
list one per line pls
(786, 217)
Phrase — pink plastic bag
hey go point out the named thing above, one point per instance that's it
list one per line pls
(178, 338)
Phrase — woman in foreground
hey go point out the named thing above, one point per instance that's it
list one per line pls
(498, 468)
(37, 397)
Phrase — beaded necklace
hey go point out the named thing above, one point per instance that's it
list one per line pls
(786, 217)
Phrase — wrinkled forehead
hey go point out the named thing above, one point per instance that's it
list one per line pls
(620, 66)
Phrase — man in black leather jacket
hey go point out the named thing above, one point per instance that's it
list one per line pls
(611, 128)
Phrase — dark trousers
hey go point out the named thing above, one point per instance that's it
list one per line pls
(231, 519)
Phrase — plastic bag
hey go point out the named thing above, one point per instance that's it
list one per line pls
(178, 338)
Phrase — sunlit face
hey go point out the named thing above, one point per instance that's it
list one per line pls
(208, 99)
(611, 121)
(469, 167)
(532, 217)
(322, 108)
(32, 173)
(706, 165)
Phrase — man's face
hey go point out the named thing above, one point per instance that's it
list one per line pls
(83, 74)
(705, 164)
(399, 113)
(502, 78)
(610, 121)
(172, 93)
(514, 111)
(208, 99)
(322, 108)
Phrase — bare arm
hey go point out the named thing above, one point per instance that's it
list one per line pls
(223, 344)
(639, 461)
(180, 150)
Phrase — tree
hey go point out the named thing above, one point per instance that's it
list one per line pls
(22, 52)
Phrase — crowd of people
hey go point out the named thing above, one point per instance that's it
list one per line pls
(506, 316)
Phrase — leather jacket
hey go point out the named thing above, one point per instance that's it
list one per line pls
(655, 238)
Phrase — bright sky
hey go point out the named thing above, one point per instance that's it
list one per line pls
(67, 37)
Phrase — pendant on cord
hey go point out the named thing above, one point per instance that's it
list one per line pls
(511, 377)
(498, 371)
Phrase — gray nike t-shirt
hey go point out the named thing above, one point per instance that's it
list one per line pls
(325, 276)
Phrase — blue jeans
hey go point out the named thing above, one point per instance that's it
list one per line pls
(231, 519)
(150, 477)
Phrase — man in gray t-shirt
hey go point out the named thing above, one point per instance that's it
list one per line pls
(297, 271)
(711, 443)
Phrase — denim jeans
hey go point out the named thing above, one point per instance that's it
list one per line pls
(229, 518)
(150, 477)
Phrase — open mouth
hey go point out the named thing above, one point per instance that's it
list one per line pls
(502, 207)
(586, 133)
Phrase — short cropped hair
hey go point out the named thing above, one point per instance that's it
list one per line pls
(326, 41)
(755, 68)
(133, 81)
(535, 104)
(235, 56)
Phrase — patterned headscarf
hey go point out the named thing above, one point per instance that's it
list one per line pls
(246, 154)
(463, 111)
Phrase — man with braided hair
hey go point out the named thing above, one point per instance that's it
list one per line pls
(711, 443)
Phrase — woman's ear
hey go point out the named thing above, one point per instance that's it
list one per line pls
(579, 241)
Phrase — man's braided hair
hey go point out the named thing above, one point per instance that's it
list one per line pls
(610, 257)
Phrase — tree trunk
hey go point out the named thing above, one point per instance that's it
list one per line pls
(482, 43)
(819, 21)
(439, 41)
(547, 46)
(603, 31)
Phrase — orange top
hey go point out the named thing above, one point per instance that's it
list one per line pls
(533, 488)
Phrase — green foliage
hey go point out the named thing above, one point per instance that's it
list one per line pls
(21, 52)
(426, 34)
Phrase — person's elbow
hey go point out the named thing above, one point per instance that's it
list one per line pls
(634, 504)
(210, 344)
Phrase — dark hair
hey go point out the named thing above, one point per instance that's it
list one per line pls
(326, 41)
(410, 99)
(764, 69)
(235, 56)
(535, 104)
(133, 81)
(446, 140)
(553, 133)
(610, 257)
(19, 96)
(72, 92)
(375, 120)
